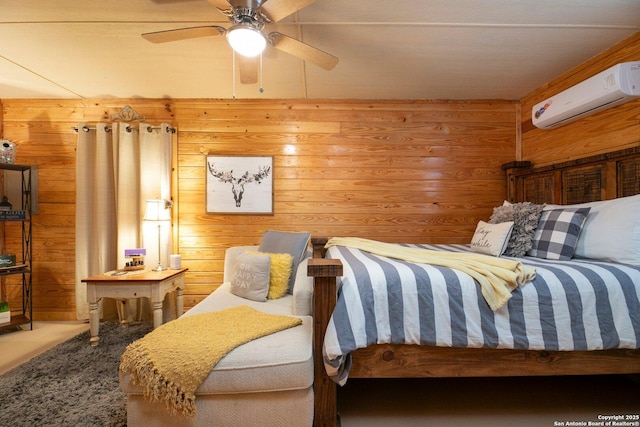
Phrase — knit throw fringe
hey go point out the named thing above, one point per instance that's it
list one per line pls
(497, 276)
(172, 361)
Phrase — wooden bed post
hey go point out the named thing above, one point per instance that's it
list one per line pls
(324, 273)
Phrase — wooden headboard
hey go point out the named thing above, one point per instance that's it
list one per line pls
(602, 177)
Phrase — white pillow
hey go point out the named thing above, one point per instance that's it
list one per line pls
(491, 239)
(611, 232)
(303, 291)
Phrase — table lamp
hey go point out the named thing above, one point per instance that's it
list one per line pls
(156, 211)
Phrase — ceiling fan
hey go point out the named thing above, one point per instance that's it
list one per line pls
(245, 35)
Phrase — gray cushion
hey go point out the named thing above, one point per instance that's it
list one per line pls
(250, 276)
(282, 242)
(525, 216)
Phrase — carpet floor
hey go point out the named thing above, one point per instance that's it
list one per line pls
(73, 384)
(437, 402)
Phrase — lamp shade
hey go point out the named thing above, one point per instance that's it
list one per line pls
(155, 211)
(246, 40)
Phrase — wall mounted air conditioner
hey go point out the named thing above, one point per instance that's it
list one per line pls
(614, 86)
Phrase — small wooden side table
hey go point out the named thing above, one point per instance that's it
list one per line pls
(151, 284)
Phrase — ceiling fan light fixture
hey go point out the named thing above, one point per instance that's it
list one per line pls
(246, 40)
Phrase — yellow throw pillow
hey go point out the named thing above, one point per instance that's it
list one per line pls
(281, 265)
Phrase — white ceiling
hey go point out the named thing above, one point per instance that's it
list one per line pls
(399, 49)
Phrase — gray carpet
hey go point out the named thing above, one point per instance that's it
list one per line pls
(73, 384)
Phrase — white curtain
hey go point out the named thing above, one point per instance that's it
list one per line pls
(118, 167)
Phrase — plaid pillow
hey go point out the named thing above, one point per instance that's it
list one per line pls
(557, 234)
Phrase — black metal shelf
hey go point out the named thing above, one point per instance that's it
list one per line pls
(22, 315)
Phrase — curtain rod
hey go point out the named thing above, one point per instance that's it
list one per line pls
(129, 128)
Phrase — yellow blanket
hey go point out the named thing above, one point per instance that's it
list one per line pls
(497, 276)
(172, 361)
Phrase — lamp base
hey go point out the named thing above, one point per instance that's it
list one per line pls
(160, 268)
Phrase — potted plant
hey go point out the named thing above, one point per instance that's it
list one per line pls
(5, 314)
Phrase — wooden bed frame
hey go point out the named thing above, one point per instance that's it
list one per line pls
(602, 177)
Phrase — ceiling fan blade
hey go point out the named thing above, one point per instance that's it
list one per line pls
(248, 68)
(183, 34)
(302, 50)
(220, 4)
(279, 9)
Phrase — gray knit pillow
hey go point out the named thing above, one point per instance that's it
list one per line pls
(525, 216)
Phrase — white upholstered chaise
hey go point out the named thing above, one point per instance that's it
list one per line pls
(266, 382)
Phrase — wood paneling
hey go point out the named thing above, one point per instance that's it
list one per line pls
(412, 171)
(617, 128)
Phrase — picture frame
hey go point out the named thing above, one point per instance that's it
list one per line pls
(238, 184)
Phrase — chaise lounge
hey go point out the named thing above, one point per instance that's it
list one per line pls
(267, 381)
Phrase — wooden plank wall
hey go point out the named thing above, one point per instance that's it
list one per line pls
(614, 129)
(412, 171)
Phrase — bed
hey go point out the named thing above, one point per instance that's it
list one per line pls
(586, 317)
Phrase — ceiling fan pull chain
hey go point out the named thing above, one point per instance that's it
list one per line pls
(233, 72)
(261, 87)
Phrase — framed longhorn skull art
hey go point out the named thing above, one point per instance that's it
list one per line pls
(239, 184)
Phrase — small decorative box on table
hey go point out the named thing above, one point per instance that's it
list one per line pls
(136, 258)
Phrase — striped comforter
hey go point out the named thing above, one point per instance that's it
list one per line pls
(570, 305)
